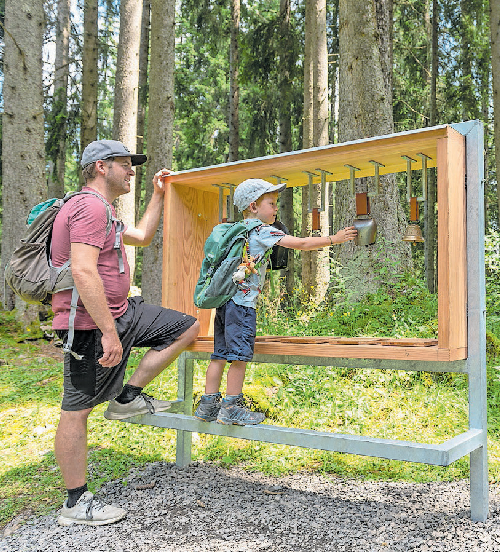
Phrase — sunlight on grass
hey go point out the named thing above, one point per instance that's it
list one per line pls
(428, 408)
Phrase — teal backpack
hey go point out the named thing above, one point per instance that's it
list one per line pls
(223, 254)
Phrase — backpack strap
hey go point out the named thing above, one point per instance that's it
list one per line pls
(71, 325)
(120, 227)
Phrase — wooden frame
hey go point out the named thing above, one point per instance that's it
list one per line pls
(192, 209)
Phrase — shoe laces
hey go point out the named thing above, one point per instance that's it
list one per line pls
(148, 399)
(239, 401)
(92, 504)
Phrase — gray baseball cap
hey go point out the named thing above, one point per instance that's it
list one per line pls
(251, 189)
(104, 149)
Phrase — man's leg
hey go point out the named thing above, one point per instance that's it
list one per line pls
(71, 446)
(154, 362)
(132, 401)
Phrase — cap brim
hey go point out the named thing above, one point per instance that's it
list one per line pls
(138, 159)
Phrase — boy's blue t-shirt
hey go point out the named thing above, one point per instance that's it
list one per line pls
(260, 240)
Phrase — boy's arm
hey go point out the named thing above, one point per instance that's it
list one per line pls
(142, 235)
(311, 243)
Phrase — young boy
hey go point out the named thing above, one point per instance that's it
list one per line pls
(235, 321)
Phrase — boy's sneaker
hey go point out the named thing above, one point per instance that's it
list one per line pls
(234, 411)
(89, 511)
(142, 404)
(208, 407)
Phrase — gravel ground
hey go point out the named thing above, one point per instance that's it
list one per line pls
(211, 509)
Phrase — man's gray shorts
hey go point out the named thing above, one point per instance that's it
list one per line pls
(86, 382)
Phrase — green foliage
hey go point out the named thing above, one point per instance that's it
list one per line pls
(492, 272)
(403, 308)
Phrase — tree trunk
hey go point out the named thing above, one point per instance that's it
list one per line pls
(143, 99)
(60, 100)
(365, 110)
(307, 140)
(430, 231)
(315, 264)
(285, 131)
(23, 178)
(88, 131)
(126, 104)
(160, 129)
(234, 88)
(495, 70)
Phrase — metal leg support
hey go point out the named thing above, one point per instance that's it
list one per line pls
(185, 393)
(479, 484)
(476, 316)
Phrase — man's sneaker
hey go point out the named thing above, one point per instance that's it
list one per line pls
(142, 404)
(235, 412)
(208, 407)
(89, 511)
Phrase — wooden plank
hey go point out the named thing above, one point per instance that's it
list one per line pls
(333, 158)
(452, 253)
(432, 352)
(385, 341)
(189, 217)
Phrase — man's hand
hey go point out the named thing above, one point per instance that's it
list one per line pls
(159, 180)
(142, 235)
(112, 350)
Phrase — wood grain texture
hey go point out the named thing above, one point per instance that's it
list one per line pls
(191, 211)
(409, 350)
(189, 217)
(452, 252)
(333, 158)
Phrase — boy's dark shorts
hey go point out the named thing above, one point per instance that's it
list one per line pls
(234, 332)
(86, 382)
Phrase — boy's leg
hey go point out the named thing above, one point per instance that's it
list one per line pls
(236, 377)
(214, 375)
(209, 404)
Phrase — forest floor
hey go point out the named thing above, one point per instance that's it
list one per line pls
(216, 509)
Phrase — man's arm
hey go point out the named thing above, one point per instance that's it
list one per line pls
(142, 235)
(90, 287)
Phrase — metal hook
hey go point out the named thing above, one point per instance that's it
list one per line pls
(424, 175)
(409, 161)
(310, 176)
(323, 187)
(377, 178)
(279, 179)
(352, 171)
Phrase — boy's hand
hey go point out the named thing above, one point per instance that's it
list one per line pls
(346, 234)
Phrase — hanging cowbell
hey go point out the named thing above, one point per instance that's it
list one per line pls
(364, 224)
(413, 233)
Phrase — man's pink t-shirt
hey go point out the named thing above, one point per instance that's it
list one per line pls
(82, 219)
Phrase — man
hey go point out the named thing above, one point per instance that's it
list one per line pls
(107, 324)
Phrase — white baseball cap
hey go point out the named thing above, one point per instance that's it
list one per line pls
(251, 189)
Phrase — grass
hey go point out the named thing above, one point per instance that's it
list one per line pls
(390, 404)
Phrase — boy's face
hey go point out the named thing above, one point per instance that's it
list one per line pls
(265, 208)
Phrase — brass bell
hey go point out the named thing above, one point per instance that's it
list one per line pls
(413, 234)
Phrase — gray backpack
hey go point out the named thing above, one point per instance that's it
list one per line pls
(30, 273)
